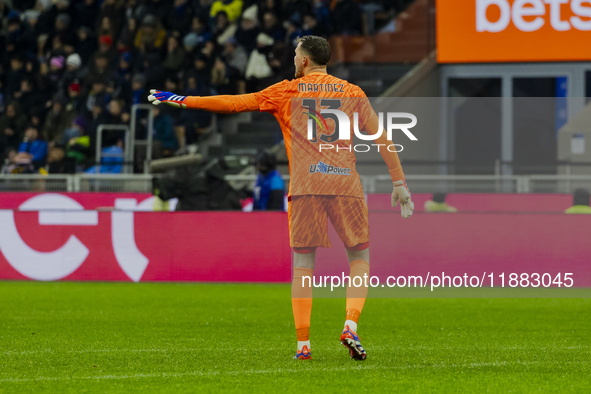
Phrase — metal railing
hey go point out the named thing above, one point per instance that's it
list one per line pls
(371, 184)
(76, 183)
(149, 137)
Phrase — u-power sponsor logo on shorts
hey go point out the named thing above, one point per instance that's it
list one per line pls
(324, 168)
(319, 133)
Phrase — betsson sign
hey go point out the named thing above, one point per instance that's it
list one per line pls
(536, 9)
(513, 30)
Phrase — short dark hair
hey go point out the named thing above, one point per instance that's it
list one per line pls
(32, 126)
(317, 48)
(266, 159)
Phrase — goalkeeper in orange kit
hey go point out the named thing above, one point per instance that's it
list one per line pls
(323, 182)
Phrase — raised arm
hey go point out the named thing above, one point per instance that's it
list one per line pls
(226, 104)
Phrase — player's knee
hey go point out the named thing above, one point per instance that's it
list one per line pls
(358, 247)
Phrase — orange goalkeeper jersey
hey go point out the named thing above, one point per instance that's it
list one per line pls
(297, 105)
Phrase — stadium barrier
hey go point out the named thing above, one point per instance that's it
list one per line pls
(371, 183)
(108, 201)
(122, 245)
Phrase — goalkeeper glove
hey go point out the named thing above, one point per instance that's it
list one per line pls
(402, 194)
(157, 96)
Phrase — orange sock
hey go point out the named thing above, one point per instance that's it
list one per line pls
(301, 302)
(356, 295)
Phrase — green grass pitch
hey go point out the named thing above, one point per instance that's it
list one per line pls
(122, 337)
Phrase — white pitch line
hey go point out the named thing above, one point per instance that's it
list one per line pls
(27, 352)
(269, 371)
(155, 350)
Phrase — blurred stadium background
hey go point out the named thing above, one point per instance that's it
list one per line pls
(503, 92)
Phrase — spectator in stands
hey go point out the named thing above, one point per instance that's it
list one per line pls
(192, 125)
(180, 17)
(346, 17)
(312, 27)
(73, 64)
(74, 103)
(32, 152)
(30, 18)
(53, 78)
(232, 8)
(151, 35)
(258, 70)
(580, 203)
(72, 72)
(27, 98)
(200, 72)
(155, 73)
(321, 13)
(87, 12)
(19, 36)
(222, 81)
(138, 89)
(86, 45)
(125, 74)
(106, 29)
(159, 8)
(76, 129)
(272, 27)
(2, 95)
(111, 161)
(171, 83)
(125, 43)
(63, 29)
(175, 55)
(438, 204)
(247, 33)
(201, 31)
(273, 6)
(164, 132)
(105, 50)
(292, 32)
(46, 22)
(201, 9)
(97, 93)
(111, 18)
(190, 43)
(269, 191)
(295, 10)
(15, 74)
(281, 60)
(99, 68)
(110, 113)
(57, 121)
(77, 155)
(117, 113)
(235, 57)
(210, 52)
(223, 29)
(12, 127)
(37, 117)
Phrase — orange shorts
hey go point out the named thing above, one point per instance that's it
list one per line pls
(308, 226)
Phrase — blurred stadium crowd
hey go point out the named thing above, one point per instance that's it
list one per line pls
(69, 66)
